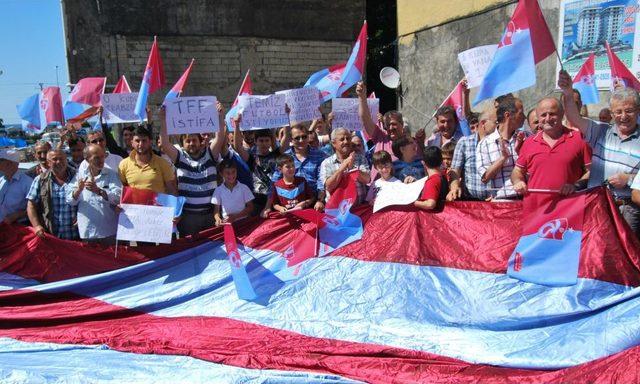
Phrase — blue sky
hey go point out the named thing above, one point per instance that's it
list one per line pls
(31, 45)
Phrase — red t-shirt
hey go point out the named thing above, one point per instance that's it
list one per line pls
(433, 188)
(290, 195)
(551, 168)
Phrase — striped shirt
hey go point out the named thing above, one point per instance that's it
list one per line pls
(487, 153)
(197, 179)
(612, 155)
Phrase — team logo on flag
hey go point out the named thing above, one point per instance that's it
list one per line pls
(75, 90)
(587, 79)
(508, 34)
(44, 104)
(288, 253)
(234, 258)
(554, 229)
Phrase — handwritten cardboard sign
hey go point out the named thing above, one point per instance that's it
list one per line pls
(345, 113)
(196, 114)
(119, 107)
(145, 223)
(304, 104)
(260, 112)
(475, 62)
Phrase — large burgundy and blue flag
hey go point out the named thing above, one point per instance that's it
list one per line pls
(327, 81)
(526, 42)
(620, 74)
(548, 251)
(177, 88)
(456, 100)
(585, 81)
(152, 80)
(414, 300)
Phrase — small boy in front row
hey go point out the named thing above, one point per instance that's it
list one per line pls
(231, 200)
(291, 191)
(384, 165)
(436, 187)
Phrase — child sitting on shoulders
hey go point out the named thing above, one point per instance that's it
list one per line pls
(291, 191)
(384, 165)
(436, 187)
(231, 200)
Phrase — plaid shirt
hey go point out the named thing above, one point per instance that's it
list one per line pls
(487, 153)
(464, 161)
(64, 215)
(612, 154)
(309, 168)
(330, 166)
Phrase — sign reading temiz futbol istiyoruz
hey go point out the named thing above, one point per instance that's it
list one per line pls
(195, 114)
(259, 112)
(303, 103)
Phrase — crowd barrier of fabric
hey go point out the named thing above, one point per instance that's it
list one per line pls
(422, 297)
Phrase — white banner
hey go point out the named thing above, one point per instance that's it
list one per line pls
(304, 104)
(145, 223)
(195, 114)
(260, 112)
(398, 194)
(345, 113)
(118, 107)
(475, 62)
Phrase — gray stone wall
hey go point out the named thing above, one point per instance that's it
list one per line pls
(429, 67)
(281, 42)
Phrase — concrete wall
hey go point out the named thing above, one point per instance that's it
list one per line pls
(282, 42)
(428, 62)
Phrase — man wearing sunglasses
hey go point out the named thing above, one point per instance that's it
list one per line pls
(307, 161)
(111, 160)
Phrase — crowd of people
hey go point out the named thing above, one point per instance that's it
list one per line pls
(74, 190)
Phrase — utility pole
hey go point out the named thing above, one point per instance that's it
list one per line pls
(57, 81)
(41, 86)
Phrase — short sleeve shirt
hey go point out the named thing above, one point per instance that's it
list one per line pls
(231, 200)
(151, 176)
(551, 168)
(433, 188)
(330, 166)
(288, 195)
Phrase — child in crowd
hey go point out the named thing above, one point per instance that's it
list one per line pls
(447, 158)
(383, 164)
(407, 168)
(232, 200)
(291, 191)
(436, 187)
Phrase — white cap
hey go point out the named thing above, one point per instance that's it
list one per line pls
(9, 154)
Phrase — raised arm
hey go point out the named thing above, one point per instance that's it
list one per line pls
(218, 142)
(238, 137)
(570, 108)
(165, 144)
(363, 111)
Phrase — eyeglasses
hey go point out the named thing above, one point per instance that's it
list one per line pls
(300, 138)
(96, 141)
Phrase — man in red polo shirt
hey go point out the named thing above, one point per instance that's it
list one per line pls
(556, 158)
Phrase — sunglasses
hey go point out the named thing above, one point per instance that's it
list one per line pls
(300, 138)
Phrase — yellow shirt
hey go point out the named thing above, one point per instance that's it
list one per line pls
(152, 176)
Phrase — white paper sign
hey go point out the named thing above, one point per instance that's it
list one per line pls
(304, 104)
(145, 223)
(398, 194)
(475, 62)
(345, 113)
(196, 114)
(118, 107)
(260, 112)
